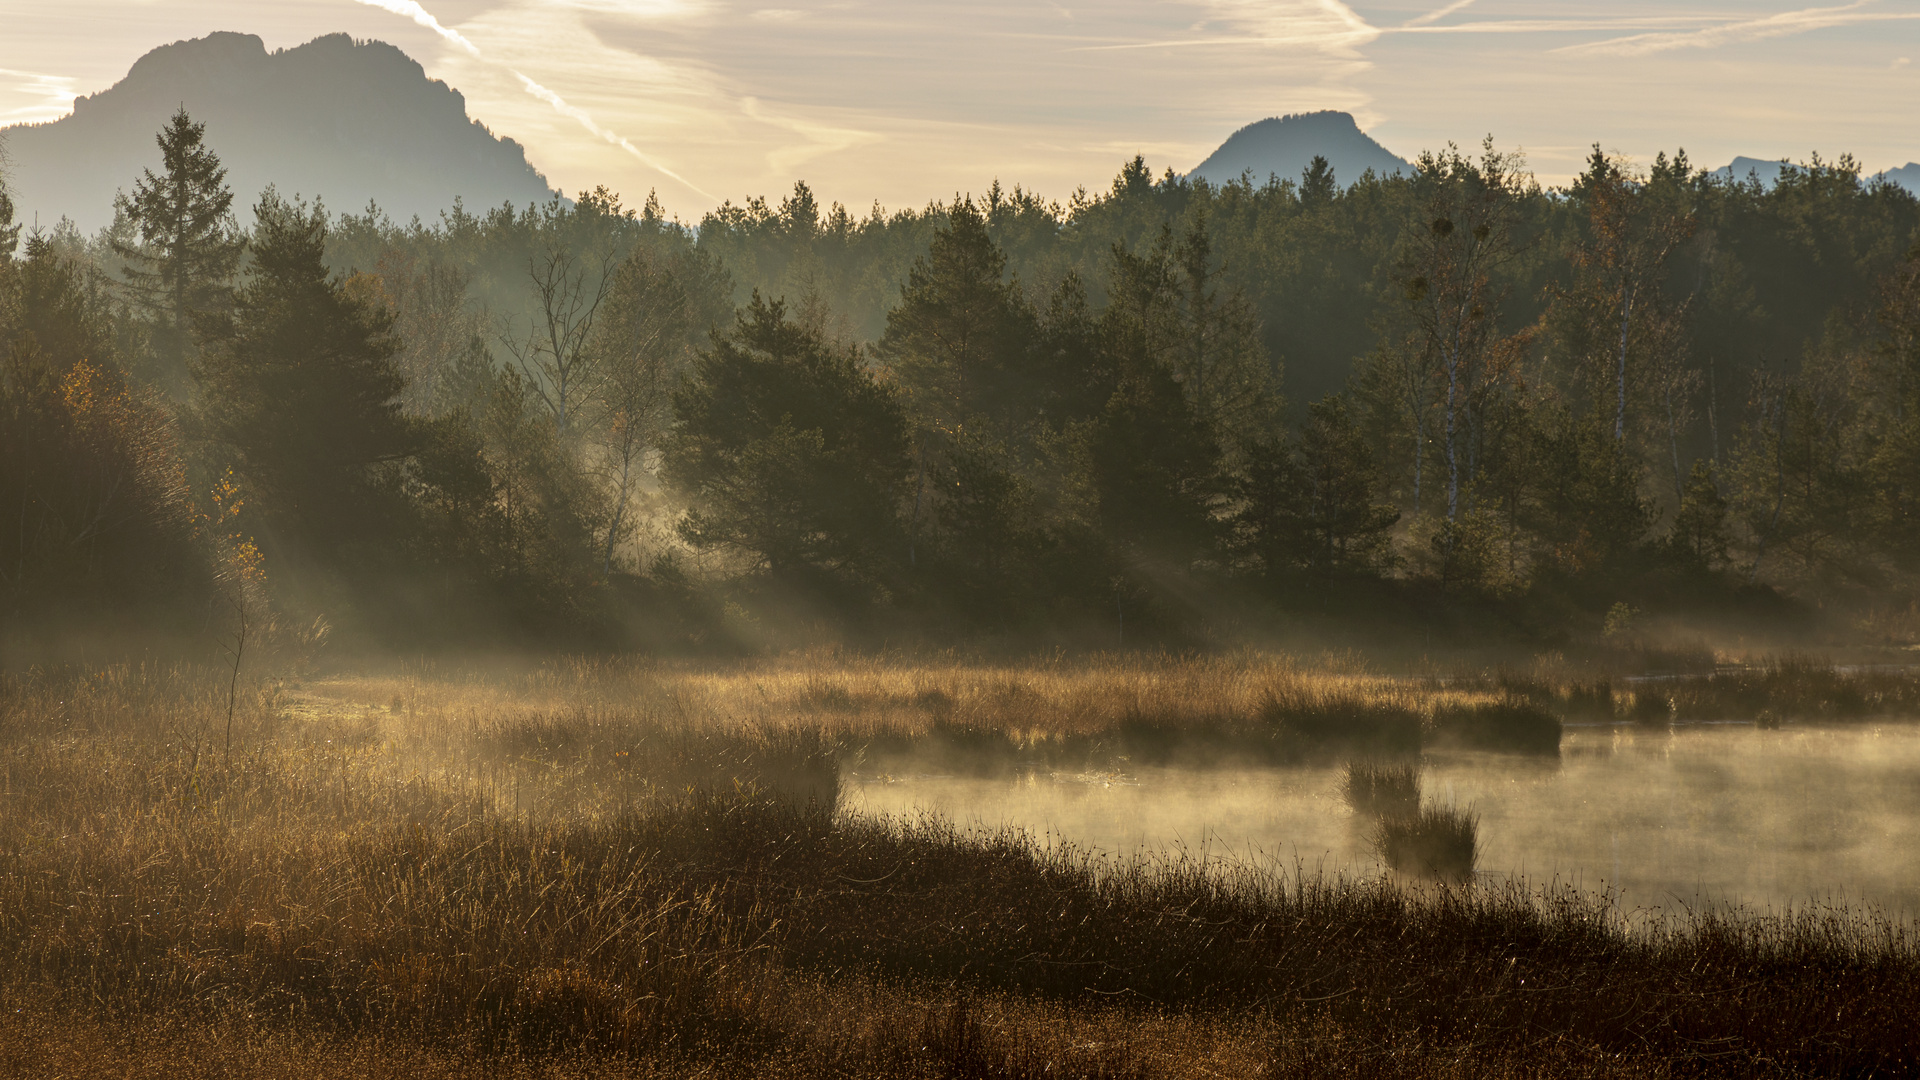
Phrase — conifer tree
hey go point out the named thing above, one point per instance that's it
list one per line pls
(9, 230)
(959, 337)
(188, 245)
(1168, 303)
(1623, 334)
(791, 453)
(1318, 507)
(1698, 539)
(300, 393)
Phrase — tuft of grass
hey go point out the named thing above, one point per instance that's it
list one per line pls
(1382, 725)
(1588, 701)
(1437, 842)
(1651, 705)
(1383, 791)
(1510, 724)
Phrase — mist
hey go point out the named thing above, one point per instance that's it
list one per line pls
(1427, 621)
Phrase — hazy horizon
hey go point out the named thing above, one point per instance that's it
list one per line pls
(903, 104)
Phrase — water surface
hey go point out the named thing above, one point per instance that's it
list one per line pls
(1659, 818)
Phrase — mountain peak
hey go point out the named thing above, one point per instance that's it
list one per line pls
(1767, 173)
(344, 120)
(1283, 147)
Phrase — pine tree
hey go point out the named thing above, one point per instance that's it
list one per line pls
(188, 243)
(1448, 271)
(791, 453)
(9, 229)
(1167, 303)
(1318, 507)
(1698, 539)
(300, 394)
(1623, 335)
(959, 337)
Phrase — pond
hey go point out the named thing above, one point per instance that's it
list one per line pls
(1656, 817)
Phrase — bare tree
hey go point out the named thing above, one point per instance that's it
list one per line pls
(1630, 331)
(1447, 271)
(555, 352)
(436, 323)
(642, 346)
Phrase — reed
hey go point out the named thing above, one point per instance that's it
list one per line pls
(592, 876)
(1435, 842)
(1383, 791)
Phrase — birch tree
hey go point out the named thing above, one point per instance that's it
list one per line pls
(1448, 273)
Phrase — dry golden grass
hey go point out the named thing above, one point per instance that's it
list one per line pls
(857, 696)
(631, 869)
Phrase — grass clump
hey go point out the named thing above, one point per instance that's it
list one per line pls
(1651, 705)
(1510, 724)
(1437, 842)
(1383, 791)
(1379, 724)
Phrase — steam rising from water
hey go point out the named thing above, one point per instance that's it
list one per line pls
(1657, 818)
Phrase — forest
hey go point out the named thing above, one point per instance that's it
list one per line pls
(1427, 627)
(1164, 414)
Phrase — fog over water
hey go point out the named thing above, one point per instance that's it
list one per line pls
(1659, 817)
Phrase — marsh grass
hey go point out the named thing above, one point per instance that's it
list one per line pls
(474, 881)
(1382, 791)
(1510, 724)
(1433, 841)
(1651, 705)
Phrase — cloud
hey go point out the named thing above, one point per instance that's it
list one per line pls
(412, 10)
(422, 17)
(1325, 26)
(1781, 24)
(821, 138)
(54, 93)
(1437, 14)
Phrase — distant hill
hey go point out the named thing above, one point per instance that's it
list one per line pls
(344, 120)
(1284, 146)
(1768, 173)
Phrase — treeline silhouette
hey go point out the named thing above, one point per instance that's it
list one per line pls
(1506, 410)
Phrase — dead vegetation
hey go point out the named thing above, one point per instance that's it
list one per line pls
(639, 871)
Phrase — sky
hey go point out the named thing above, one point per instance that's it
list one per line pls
(910, 101)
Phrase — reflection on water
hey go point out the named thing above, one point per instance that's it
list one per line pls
(1658, 817)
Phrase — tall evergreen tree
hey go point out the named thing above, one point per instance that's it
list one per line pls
(1622, 334)
(1168, 302)
(1448, 273)
(300, 394)
(9, 229)
(791, 452)
(188, 244)
(1318, 508)
(959, 337)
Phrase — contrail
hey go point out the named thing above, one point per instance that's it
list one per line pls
(411, 9)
